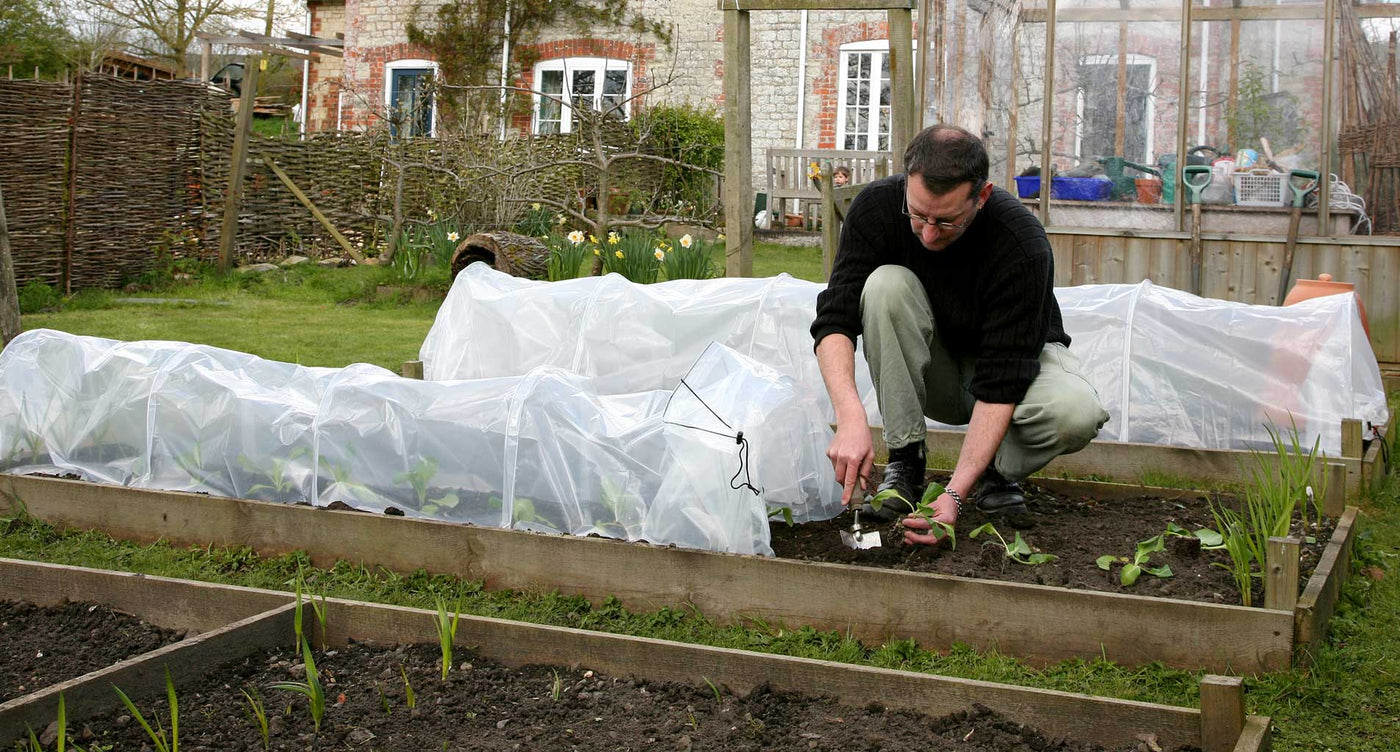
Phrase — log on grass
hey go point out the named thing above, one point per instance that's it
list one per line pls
(516, 255)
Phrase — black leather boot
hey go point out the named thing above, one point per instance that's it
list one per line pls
(902, 487)
(998, 497)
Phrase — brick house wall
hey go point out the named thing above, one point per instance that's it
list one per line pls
(323, 74)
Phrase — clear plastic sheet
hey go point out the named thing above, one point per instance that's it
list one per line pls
(1192, 372)
(538, 451)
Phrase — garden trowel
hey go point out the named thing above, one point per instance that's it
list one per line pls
(858, 537)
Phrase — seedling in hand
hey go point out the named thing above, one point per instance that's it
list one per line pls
(1134, 568)
(1018, 551)
(924, 510)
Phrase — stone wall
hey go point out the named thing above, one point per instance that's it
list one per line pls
(323, 74)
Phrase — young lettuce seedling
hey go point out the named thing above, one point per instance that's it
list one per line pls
(784, 512)
(1018, 551)
(1134, 568)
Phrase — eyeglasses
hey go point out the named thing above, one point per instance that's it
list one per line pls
(943, 225)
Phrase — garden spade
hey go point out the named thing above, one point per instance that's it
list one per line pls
(1190, 177)
(858, 537)
(1301, 183)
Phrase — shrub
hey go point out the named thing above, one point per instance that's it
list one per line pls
(37, 296)
(689, 134)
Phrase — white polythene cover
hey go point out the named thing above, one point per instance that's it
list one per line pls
(1171, 368)
(538, 451)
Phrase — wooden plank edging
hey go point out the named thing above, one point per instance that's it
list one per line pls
(1097, 719)
(1319, 600)
(1037, 623)
(143, 675)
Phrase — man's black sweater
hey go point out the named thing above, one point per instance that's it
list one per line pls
(990, 290)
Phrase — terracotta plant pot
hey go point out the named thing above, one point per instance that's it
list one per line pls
(1149, 190)
(1307, 289)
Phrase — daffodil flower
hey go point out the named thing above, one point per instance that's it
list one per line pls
(721, 236)
(535, 206)
(686, 241)
(613, 238)
(452, 236)
(432, 214)
(559, 218)
(592, 239)
(618, 254)
(576, 237)
(660, 255)
(597, 252)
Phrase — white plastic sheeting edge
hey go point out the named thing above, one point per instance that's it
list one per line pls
(1171, 368)
(540, 451)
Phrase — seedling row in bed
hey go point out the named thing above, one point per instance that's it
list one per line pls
(392, 678)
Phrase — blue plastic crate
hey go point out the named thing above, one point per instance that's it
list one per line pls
(1027, 185)
(1081, 189)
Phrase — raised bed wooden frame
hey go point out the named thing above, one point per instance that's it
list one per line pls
(1219, 726)
(1037, 623)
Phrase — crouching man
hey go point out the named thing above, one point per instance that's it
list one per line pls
(949, 279)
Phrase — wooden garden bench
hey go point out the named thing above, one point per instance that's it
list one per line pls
(789, 173)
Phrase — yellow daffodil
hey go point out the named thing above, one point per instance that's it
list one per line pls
(432, 214)
(576, 237)
(721, 236)
(660, 255)
(452, 236)
(686, 241)
(597, 252)
(613, 238)
(559, 218)
(814, 170)
(592, 239)
(618, 254)
(535, 206)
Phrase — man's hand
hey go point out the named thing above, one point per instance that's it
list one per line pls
(920, 531)
(852, 456)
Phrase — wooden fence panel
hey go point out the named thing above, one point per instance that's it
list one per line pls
(1243, 269)
(33, 150)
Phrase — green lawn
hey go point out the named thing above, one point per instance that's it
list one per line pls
(1348, 699)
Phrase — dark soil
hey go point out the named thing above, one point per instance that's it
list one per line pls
(484, 706)
(44, 646)
(1076, 529)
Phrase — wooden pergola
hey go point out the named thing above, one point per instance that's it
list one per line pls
(294, 45)
(738, 106)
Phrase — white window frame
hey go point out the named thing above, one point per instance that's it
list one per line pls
(410, 63)
(568, 66)
(882, 48)
(1149, 115)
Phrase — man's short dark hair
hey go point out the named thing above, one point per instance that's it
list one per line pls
(945, 157)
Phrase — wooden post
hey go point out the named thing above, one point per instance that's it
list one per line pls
(1120, 122)
(1013, 120)
(70, 230)
(738, 146)
(1334, 502)
(902, 107)
(1351, 439)
(326, 223)
(1184, 67)
(1329, 57)
(1222, 712)
(233, 199)
(1234, 71)
(940, 36)
(831, 231)
(1047, 115)
(413, 369)
(205, 53)
(921, 74)
(9, 295)
(1281, 573)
